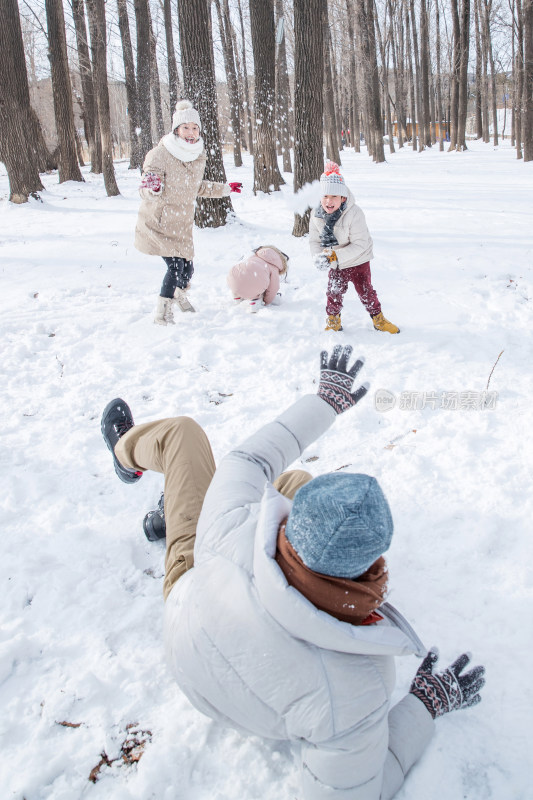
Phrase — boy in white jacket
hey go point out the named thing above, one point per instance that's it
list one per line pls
(341, 243)
(280, 628)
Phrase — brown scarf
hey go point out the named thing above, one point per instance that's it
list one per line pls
(347, 600)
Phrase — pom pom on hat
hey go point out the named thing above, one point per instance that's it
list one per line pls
(332, 182)
(185, 112)
(331, 168)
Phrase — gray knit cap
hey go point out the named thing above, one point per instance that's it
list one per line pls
(332, 182)
(340, 524)
(185, 113)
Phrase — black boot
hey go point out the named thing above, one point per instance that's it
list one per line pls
(116, 421)
(154, 522)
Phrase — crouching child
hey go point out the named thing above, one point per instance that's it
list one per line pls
(256, 279)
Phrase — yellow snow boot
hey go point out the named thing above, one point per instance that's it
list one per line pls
(333, 323)
(383, 324)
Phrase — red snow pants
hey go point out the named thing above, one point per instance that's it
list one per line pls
(338, 280)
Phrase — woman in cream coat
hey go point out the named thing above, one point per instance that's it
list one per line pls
(173, 177)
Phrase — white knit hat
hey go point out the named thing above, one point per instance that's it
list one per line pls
(332, 182)
(185, 113)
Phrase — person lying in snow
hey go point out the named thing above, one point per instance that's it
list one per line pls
(256, 278)
(172, 179)
(340, 243)
(279, 627)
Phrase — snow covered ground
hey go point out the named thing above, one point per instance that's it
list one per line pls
(81, 656)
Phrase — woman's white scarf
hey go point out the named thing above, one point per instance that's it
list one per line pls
(181, 149)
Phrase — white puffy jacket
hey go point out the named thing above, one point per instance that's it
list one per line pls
(250, 651)
(354, 241)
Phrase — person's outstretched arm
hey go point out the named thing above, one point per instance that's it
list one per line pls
(371, 761)
(242, 474)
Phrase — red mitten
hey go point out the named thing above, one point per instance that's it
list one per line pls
(152, 181)
(235, 186)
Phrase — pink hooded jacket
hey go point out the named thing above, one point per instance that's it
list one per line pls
(258, 275)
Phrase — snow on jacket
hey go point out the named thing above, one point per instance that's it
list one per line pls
(165, 220)
(257, 275)
(355, 242)
(253, 653)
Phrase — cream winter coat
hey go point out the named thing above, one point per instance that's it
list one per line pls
(258, 275)
(165, 221)
(251, 652)
(355, 242)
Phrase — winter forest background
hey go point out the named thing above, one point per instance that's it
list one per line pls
(427, 106)
(267, 76)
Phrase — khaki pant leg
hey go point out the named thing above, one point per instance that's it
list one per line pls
(178, 448)
(288, 483)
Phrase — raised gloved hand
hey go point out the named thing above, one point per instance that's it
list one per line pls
(336, 380)
(235, 186)
(448, 690)
(152, 181)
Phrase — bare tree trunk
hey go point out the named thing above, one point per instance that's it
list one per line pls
(479, 73)
(96, 9)
(518, 79)
(224, 24)
(69, 169)
(411, 78)
(142, 22)
(249, 126)
(240, 86)
(198, 67)
(463, 76)
(283, 92)
(86, 76)
(398, 47)
(79, 152)
(440, 110)
(173, 82)
(96, 165)
(424, 71)
(484, 77)
(308, 101)
(488, 9)
(528, 80)
(155, 83)
(418, 82)
(384, 39)
(230, 39)
(456, 67)
(17, 149)
(355, 131)
(330, 124)
(367, 37)
(267, 177)
(131, 87)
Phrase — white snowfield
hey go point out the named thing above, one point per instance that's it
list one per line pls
(84, 688)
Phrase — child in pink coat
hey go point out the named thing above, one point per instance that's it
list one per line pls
(256, 279)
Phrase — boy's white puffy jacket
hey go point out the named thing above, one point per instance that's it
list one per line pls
(354, 240)
(251, 652)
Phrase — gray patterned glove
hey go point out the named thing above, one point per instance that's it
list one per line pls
(322, 262)
(447, 690)
(336, 380)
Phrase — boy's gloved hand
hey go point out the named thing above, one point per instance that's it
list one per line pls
(152, 181)
(325, 260)
(235, 186)
(336, 380)
(447, 690)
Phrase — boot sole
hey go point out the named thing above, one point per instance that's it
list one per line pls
(125, 475)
